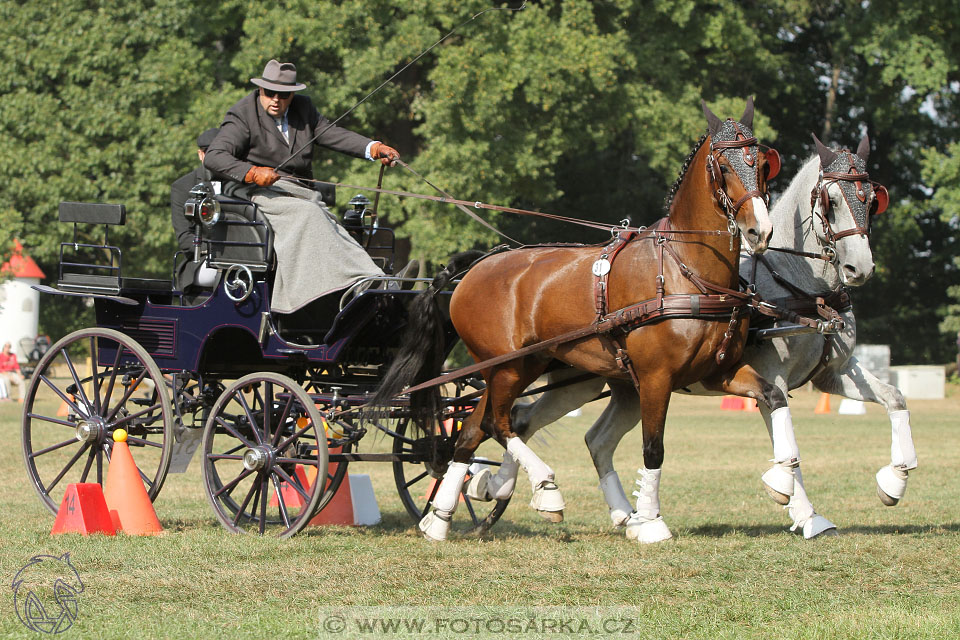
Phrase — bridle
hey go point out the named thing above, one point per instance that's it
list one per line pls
(872, 202)
(715, 175)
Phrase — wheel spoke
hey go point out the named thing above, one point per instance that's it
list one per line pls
(76, 380)
(283, 420)
(246, 501)
(53, 447)
(113, 379)
(226, 425)
(37, 416)
(281, 502)
(253, 421)
(94, 375)
(126, 395)
(144, 442)
(417, 479)
(86, 467)
(293, 483)
(230, 486)
(69, 465)
(70, 402)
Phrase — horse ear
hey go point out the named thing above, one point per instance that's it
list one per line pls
(713, 122)
(747, 117)
(826, 155)
(864, 149)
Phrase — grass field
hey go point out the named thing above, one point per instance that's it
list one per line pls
(732, 571)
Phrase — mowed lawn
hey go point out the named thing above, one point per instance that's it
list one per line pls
(733, 570)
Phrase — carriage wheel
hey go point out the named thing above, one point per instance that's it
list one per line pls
(417, 482)
(263, 447)
(87, 385)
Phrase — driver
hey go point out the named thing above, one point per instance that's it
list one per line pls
(315, 255)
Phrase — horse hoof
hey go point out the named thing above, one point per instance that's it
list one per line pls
(547, 498)
(435, 527)
(648, 531)
(551, 516)
(477, 488)
(891, 485)
(778, 482)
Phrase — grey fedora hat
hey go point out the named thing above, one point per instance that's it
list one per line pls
(279, 76)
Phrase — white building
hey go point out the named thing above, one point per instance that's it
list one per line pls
(19, 303)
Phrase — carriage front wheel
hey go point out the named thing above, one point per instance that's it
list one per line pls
(264, 447)
(89, 384)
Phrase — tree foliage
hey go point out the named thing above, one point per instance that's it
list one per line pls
(581, 108)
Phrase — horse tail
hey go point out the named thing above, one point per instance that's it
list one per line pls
(422, 352)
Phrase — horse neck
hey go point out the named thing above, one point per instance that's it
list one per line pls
(793, 228)
(694, 209)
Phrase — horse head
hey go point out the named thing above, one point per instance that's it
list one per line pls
(738, 172)
(844, 201)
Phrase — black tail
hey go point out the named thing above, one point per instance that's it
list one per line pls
(421, 353)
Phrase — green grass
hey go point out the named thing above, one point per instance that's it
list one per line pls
(732, 571)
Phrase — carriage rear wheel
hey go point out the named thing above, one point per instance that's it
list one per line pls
(264, 447)
(89, 384)
(423, 461)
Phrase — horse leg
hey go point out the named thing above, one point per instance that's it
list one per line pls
(743, 380)
(436, 524)
(528, 418)
(855, 382)
(621, 415)
(805, 519)
(645, 524)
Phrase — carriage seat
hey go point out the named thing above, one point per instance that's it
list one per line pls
(81, 266)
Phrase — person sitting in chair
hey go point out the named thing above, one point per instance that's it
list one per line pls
(10, 369)
(265, 145)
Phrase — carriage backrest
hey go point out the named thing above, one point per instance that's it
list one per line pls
(241, 237)
(92, 213)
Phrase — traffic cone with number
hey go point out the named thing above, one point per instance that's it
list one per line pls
(823, 405)
(340, 508)
(750, 405)
(130, 506)
(84, 511)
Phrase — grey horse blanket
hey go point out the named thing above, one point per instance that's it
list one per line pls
(315, 255)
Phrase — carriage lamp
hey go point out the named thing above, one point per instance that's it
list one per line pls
(353, 218)
(202, 207)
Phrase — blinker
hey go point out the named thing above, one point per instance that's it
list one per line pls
(773, 163)
(882, 198)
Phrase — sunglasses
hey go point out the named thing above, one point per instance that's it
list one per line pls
(283, 95)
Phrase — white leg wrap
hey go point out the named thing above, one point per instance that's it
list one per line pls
(645, 524)
(805, 519)
(778, 480)
(536, 469)
(891, 484)
(617, 501)
(436, 524)
(902, 452)
(784, 442)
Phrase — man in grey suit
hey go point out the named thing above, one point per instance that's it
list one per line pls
(273, 125)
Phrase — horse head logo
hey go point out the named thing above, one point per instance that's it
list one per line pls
(46, 593)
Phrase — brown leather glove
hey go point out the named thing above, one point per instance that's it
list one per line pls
(386, 155)
(261, 176)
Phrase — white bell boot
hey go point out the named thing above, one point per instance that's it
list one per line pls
(646, 525)
(891, 484)
(547, 499)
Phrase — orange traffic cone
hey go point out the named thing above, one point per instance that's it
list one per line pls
(823, 405)
(340, 508)
(731, 403)
(750, 405)
(64, 409)
(84, 511)
(130, 506)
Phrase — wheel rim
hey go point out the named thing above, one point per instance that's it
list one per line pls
(71, 411)
(417, 482)
(263, 446)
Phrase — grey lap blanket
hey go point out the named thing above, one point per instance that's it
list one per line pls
(315, 255)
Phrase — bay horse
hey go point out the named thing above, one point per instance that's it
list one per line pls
(515, 300)
(820, 247)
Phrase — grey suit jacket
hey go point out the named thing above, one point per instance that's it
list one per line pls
(249, 136)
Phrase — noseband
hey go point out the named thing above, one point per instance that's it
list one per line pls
(878, 203)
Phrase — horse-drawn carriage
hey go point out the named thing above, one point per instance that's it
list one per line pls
(182, 366)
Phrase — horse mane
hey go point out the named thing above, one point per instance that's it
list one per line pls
(797, 195)
(668, 201)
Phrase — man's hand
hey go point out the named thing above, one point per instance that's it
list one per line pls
(261, 176)
(386, 155)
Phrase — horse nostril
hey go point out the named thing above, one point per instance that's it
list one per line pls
(851, 272)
